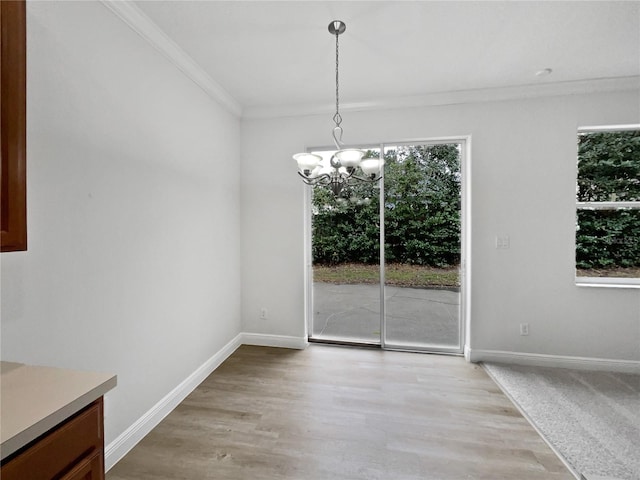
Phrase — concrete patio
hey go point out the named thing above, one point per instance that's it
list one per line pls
(416, 317)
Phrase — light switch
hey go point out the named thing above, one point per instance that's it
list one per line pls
(502, 242)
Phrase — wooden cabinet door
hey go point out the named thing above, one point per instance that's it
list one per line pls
(13, 125)
(90, 468)
(74, 448)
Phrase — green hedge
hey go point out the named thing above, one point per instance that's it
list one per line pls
(608, 170)
(422, 208)
(422, 212)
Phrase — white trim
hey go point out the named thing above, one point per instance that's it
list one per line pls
(543, 360)
(598, 85)
(607, 205)
(269, 340)
(608, 128)
(608, 282)
(382, 264)
(129, 13)
(308, 262)
(467, 352)
(466, 247)
(465, 241)
(135, 18)
(128, 439)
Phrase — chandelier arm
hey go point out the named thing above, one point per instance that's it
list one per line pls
(315, 180)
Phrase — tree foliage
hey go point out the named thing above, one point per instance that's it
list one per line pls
(422, 212)
(609, 166)
(422, 207)
(608, 171)
(608, 239)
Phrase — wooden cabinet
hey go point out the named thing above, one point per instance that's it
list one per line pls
(13, 125)
(73, 450)
(89, 469)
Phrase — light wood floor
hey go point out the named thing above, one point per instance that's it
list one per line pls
(343, 413)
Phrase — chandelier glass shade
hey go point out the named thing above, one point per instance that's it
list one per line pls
(347, 167)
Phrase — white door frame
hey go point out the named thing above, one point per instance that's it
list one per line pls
(465, 245)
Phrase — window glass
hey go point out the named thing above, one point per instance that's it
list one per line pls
(608, 204)
(609, 166)
(608, 243)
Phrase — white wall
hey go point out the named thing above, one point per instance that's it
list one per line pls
(135, 255)
(133, 264)
(523, 184)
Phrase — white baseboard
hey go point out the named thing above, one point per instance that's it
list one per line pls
(147, 422)
(268, 340)
(542, 360)
(467, 352)
(137, 431)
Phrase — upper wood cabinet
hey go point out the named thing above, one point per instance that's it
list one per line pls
(13, 124)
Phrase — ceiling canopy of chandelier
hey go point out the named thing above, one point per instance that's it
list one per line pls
(347, 167)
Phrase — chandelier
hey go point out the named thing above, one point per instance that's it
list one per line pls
(347, 167)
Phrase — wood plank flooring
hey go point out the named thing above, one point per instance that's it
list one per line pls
(343, 413)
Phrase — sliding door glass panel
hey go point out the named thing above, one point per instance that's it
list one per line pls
(345, 249)
(422, 227)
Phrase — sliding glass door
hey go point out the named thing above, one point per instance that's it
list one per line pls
(384, 266)
(345, 250)
(422, 246)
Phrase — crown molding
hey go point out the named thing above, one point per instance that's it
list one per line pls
(598, 85)
(130, 14)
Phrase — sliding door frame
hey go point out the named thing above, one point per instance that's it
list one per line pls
(465, 249)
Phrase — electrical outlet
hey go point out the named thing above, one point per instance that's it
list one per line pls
(264, 314)
(524, 329)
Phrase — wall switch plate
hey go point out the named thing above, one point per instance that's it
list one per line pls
(502, 242)
(524, 329)
(264, 314)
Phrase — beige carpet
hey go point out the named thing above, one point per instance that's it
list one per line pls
(592, 419)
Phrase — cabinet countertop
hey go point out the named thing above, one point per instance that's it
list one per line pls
(35, 399)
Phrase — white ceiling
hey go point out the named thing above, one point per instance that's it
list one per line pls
(274, 53)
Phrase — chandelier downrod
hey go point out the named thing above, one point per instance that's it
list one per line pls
(343, 164)
(337, 28)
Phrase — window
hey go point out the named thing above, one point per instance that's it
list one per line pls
(608, 206)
